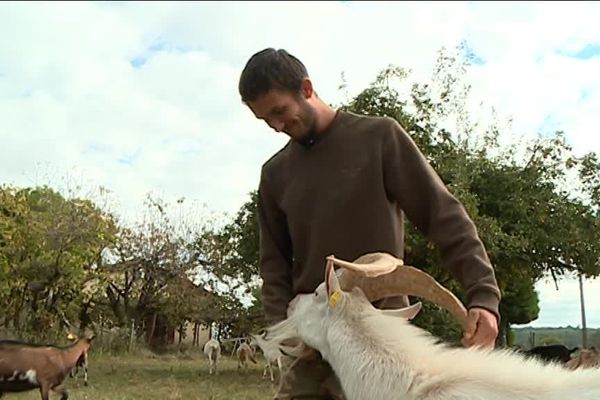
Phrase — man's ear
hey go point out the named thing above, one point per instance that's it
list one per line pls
(331, 279)
(306, 88)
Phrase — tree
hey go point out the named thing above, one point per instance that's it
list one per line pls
(147, 276)
(230, 260)
(50, 248)
(529, 220)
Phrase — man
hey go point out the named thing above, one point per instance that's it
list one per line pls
(342, 185)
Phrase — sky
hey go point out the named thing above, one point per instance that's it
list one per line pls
(140, 98)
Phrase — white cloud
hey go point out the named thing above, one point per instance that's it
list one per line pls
(142, 97)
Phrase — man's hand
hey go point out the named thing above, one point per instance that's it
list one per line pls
(481, 329)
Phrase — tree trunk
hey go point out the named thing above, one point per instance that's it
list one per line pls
(131, 334)
(151, 328)
(114, 302)
(584, 338)
(503, 332)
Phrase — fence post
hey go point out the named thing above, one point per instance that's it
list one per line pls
(131, 334)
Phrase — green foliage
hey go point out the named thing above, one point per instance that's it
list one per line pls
(438, 322)
(231, 262)
(149, 277)
(49, 247)
(520, 304)
(529, 221)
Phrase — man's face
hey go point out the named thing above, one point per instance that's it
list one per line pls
(285, 112)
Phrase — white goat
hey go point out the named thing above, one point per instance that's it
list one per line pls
(245, 353)
(379, 356)
(271, 354)
(212, 350)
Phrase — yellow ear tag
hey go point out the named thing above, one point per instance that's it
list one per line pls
(334, 298)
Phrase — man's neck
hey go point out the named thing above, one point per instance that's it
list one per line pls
(321, 127)
(325, 116)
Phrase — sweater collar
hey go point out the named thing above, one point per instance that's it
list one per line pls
(313, 138)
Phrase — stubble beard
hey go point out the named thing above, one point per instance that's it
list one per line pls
(309, 121)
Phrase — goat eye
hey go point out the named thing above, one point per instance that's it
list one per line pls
(316, 294)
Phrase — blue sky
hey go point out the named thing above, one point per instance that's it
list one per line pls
(588, 51)
(141, 97)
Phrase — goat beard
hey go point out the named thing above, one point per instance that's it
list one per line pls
(283, 336)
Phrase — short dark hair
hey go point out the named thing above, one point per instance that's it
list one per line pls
(271, 69)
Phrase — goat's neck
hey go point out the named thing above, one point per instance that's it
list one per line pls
(367, 366)
(71, 354)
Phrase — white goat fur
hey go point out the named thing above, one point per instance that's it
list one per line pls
(271, 354)
(378, 355)
(212, 350)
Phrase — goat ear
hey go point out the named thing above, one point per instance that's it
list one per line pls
(407, 312)
(331, 279)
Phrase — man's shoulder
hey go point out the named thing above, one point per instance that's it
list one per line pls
(356, 118)
(374, 125)
(276, 159)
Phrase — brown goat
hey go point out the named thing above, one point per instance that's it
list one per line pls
(81, 363)
(245, 353)
(585, 358)
(26, 366)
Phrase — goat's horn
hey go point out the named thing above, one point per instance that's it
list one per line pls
(405, 280)
(371, 264)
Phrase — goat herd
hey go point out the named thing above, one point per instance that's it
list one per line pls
(25, 366)
(376, 354)
(246, 352)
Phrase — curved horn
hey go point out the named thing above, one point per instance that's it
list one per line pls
(401, 280)
(371, 264)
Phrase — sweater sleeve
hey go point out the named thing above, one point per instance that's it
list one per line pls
(275, 255)
(413, 183)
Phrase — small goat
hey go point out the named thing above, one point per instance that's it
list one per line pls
(585, 358)
(272, 355)
(25, 366)
(212, 350)
(380, 355)
(245, 353)
(82, 363)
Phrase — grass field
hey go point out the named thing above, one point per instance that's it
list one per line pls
(163, 377)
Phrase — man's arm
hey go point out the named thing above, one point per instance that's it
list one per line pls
(275, 256)
(410, 180)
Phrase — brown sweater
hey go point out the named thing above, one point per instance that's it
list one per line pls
(346, 195)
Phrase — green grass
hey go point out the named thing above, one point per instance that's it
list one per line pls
(163, 377)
